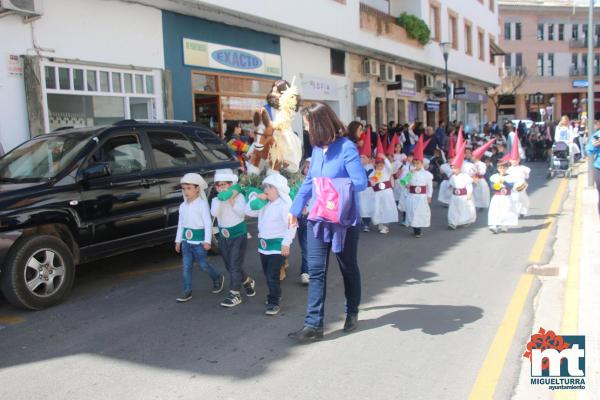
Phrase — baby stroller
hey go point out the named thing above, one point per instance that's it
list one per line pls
(560, 162)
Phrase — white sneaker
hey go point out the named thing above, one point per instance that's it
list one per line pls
(304, 278)
(504, 228)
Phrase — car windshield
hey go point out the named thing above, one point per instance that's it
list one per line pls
(42, 158)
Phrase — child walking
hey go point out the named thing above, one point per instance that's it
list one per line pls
(367, 195)
(274, 235)
(194, 234)
(503, 211)
(420, 188)
(481, 189)
(461, 210)
(229, 210)
(385, 210)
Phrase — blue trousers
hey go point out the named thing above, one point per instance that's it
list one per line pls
(191, 253)
(318, 255)
(302, 238)
(233, 252)
(271, 264)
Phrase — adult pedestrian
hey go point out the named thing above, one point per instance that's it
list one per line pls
(355, 132)
(565, 133)
(593, 150)
(334, 156)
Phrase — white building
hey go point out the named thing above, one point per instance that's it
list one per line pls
(81, 63)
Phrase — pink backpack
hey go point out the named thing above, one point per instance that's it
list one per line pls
(327, 201)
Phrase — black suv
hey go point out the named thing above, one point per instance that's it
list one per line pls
(78, 195)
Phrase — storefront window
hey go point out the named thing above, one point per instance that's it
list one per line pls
(101, 100)
(78, 79)
(64, 79)
(222, 98)
(204, 83)
(50, 78)
(80, 111)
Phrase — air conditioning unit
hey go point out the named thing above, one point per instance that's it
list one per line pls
(428, 82)
(371, 67)
(24, 7)
(386, 73)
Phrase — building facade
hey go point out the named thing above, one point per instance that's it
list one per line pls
(547, 42)
(94, 62)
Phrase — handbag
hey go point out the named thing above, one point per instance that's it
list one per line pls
(327, 201)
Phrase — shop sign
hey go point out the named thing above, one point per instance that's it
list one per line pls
(580, 83)
(432, 105)
(473, 97)
(211, 55)
(15, 65)
(409, 88)
(459, 90)
(318, 88)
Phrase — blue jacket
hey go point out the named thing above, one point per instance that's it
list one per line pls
(340, 161)
(594, 151)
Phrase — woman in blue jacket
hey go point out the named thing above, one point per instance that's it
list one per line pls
(333, 156)
(593, 149)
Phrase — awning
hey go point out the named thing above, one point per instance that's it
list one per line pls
(495, 50)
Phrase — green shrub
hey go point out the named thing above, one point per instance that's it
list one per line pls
(415, 27)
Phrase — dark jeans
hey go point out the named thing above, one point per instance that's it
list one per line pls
(191, 253)
(597, 180)
(233, 252)
(302, 232)
(271, 265)
(318, 255)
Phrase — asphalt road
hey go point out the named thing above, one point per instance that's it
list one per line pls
(430, 310)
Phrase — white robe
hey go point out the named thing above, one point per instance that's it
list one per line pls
(366, 197)
(384, 205)
(521, 174)
(418, 213)
(502, 211)
(444, 193)
(397, 166)
(481, 189)
(462, 209)
(403, 190)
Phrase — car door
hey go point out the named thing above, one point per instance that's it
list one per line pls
(173, 155)
(124, 208)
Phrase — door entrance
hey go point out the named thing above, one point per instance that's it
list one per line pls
(206, 110)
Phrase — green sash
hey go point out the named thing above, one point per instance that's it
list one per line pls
(270, 244)
(234, 231)
(193, 235)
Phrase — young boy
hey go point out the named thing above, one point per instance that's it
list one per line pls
(461, 210)
(194, 234)
(502, 212)
(274, 235)
(384, 210)
(229, 210)
(420, 188)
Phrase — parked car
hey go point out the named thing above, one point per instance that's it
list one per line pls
(83, 194)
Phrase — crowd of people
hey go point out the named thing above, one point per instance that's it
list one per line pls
(355, 179)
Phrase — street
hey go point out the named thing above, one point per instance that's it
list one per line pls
(430, 310)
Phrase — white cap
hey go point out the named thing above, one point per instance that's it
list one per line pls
(279, 182)
(225, 175)
(195, 179)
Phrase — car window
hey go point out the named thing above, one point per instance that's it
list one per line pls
(212, 148)
(172, 149)
(124, 155)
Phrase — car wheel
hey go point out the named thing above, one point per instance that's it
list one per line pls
(38, 272)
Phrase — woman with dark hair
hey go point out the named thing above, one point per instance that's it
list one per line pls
(334, 156)
(355, 131)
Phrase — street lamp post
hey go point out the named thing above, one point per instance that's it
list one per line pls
(445, 46)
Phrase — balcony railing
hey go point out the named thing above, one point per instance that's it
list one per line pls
(383, 24)
(510, 71)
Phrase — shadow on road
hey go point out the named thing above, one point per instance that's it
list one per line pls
(135, 319)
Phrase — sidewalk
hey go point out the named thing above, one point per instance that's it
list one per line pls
(568, 302)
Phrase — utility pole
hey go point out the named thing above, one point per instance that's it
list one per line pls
(590, 88)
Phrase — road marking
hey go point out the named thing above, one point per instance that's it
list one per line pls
(489, 374)
(537, 251)
(11, 319)
(570, 319)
